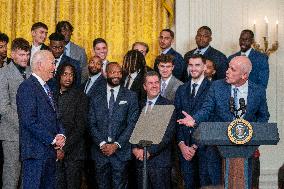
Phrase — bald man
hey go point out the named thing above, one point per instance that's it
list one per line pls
(40, 131)
(217, 100)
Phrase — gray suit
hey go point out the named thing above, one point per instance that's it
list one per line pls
(78, 53)
(10, 79)
(171, 88)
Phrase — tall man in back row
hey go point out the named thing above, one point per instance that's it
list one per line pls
(235, 85)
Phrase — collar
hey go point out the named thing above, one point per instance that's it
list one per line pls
(243, 88)
(42, 83)
(167, 80)
(247, 52)
(198, 81)
(95, 77)
(153, 100)
(202, 51)
(166, 50)
(133, 75)
(36, 47)
(116, 89)
(59, 59)
(105, 62)
(20, 68)
(67, 46)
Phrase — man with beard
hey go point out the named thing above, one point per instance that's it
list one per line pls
(113, 114)
(260, 67)
(203, 38)
(95, 76)
(4, 40)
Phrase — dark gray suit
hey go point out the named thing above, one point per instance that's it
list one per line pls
(78, 53)
(10, 79)
(171, 88)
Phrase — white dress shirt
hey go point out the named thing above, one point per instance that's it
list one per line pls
(153, 103)
(202, 51)
(92, 81)
(198, 82)
(246, 53)
(242, 92)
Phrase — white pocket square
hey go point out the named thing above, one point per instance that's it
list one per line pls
(122, 102)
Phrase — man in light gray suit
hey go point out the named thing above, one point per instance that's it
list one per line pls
(11, 77)
(169, 83)
(71, 49)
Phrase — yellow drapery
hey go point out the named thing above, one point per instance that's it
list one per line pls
(120, 22)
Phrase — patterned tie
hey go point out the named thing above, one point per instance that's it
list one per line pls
(163, 88)
(236, 97)
(49, 94)
(87, 86)
(111, 102)
(198, 51)
(194, 85)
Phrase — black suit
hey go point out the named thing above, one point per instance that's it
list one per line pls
(72, 108)
(99, 81)
(159, 163)
(217, 57)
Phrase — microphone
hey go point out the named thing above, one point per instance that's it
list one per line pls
(232, 106)
(242, 105)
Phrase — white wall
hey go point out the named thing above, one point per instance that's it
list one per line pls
(227, 18)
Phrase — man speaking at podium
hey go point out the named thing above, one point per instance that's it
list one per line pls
(236, 85)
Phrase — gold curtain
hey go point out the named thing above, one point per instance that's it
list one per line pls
(120, 22)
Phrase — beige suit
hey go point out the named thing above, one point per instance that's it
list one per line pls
(10, 79)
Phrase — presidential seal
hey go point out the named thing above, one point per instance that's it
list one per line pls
(240, 131)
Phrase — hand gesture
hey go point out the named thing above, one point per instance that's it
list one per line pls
(187, 120)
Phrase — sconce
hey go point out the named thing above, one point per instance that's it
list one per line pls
(266, 48)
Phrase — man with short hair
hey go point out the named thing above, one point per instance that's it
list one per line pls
(100, 48)
(166, 39)
(260, 67)
(4, 40)
(159, 158)
(236, 85)
(71, 49)
(56, 46)
(169, 83)
(39, 33)
(112, 117)
(203, 38)
(141, 46)
(194, 160)
(11, 76)
(41, 133)
(210, 70)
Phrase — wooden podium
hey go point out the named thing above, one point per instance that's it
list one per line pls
(236, 155)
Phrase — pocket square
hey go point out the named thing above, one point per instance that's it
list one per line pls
(122, 102)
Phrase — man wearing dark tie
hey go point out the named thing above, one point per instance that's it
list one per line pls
(159, 162)
(11, 76)
(260, 67)
(238, 86)
(203, 38)
(166, 40)
(196, 162)
(41, 133)
(113, 114)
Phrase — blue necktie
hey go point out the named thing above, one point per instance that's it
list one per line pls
(236, 97)
(49, 94)
(111, 102)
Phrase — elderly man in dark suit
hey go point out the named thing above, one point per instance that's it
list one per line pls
(260, 67)
(56, 46)
(166, 40)
(235, 85)
(41, 133)
(194, 159)
(11, 76)
(72, 111)
(113, 114)
(203, 38)
(159, 155)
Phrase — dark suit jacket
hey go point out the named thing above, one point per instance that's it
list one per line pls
(52, 82)
(217, 101)
(217, 57)
(38, 121)
(172, 87)
(137, 86)
(72, 112)
(180, 65)
(160, 154)
(100, 81)
(184, 102)
(260, 67)
(122, 123)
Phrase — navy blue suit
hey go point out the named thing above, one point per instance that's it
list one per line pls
(38, 127)
(159, 164)
(200, 162)
(260, 67)
(52, 82)
(122, 123)
(179, 63)
(217, 57)
(99, 81)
